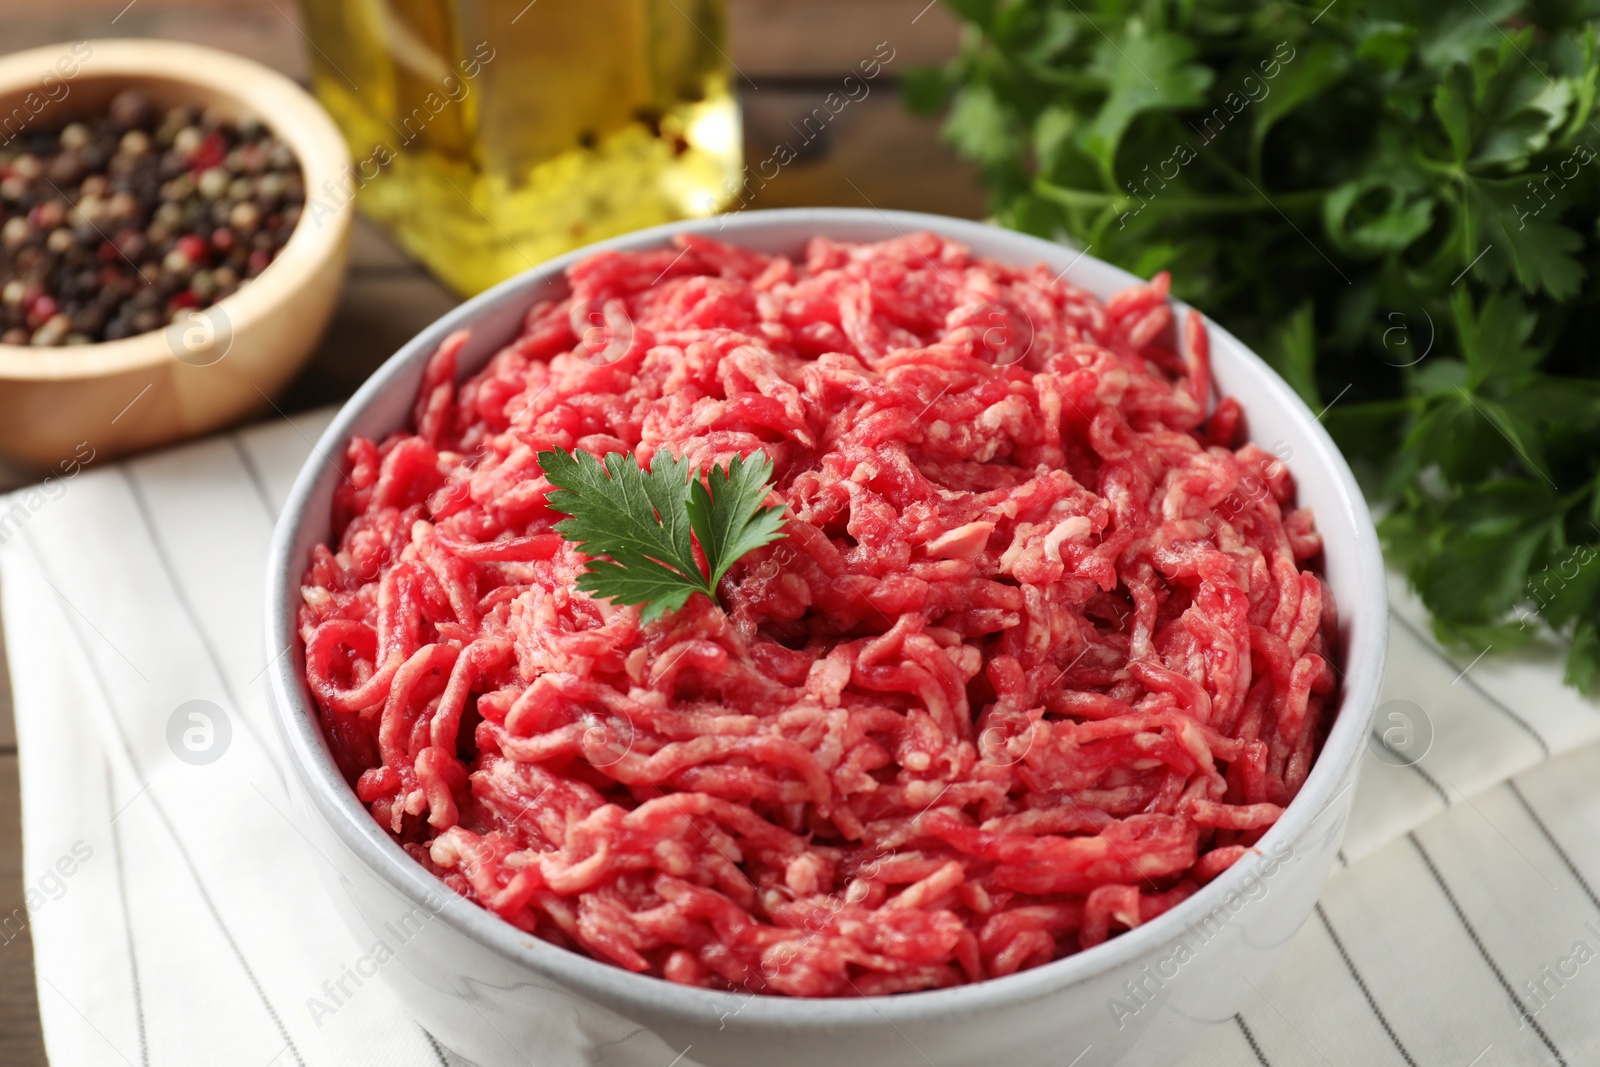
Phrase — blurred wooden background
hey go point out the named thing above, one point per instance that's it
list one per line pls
(791, 53)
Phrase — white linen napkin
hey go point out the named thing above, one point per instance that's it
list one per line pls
(177, 916)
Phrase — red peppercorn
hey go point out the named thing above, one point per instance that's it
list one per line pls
(185, 299)
(212, 151)
(41, 309)
(258, 262)
(47, 215)
(193, 246)
(222, 240)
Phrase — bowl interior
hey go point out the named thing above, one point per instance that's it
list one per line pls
(1276, 419)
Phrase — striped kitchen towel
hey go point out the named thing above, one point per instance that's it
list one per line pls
(178, 918)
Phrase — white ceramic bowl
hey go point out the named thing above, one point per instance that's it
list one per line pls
(498, 996)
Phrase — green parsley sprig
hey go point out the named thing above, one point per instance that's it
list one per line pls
(643, 520)
(1393, 201)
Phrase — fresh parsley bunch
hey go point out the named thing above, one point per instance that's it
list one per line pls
(1394, 202)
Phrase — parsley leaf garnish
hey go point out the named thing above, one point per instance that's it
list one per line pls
(643, 520)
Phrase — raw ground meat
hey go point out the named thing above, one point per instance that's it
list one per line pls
(1039, 655)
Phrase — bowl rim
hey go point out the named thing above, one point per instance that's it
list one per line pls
(1331, 777)
(286, 109)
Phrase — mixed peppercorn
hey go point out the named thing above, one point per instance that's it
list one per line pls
(119, 224)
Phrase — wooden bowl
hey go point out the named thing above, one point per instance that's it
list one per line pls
(222, 362)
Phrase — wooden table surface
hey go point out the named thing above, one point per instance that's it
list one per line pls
(791, 53)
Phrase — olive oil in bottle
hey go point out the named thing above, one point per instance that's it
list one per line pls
(490, 135)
